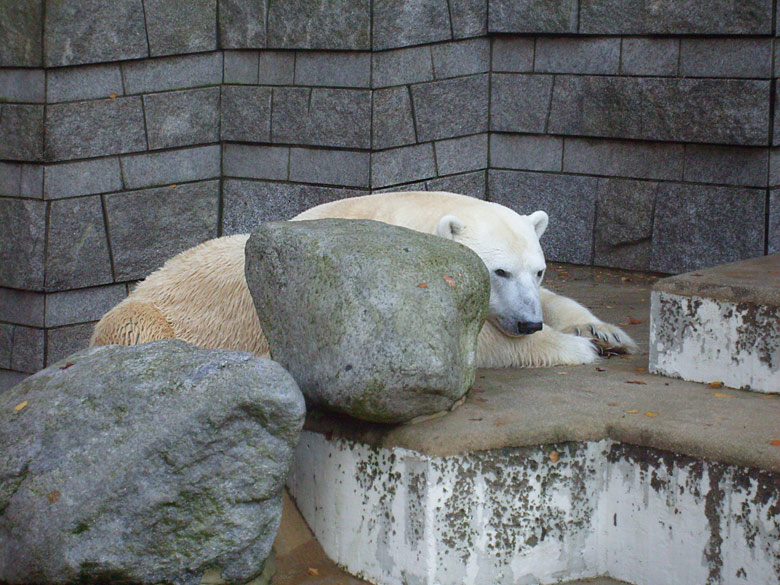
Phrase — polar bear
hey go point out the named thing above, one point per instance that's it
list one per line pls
(200, 295)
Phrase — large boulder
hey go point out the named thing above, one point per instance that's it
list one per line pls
(145, 464)
(373, 320)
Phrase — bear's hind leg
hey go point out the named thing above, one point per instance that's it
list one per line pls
(131, 323)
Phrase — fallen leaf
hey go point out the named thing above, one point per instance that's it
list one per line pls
(715, 385)
(54, 496)
(499, 424)
(641, 370)
(721, 395)
(562, 373)
(613, 404)
(775, 443)
(422, 285)
(449, 280)
(480, 399)
(66, 366)
(651, 414)
(112, 95)
(174, 185)
(554, 456)
(636, 382)
(20, 406)
(633, 321)
(632, 411)
(313, 571)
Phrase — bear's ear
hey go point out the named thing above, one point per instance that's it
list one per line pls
(539, 220)
(449, 226)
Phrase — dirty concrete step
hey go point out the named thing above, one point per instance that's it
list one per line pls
(720, 324)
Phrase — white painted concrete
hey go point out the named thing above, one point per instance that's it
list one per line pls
(513, 516)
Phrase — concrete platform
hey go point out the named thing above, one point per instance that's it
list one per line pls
(720, 324)
(551, 475)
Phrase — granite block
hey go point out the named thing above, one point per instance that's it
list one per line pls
(460, 155)
(83, 83)
(393, 122)
(402, 165)
(650, 56)
(9, 379)
(322, 117)
(167, 73)
(623, 158)
(276, 67)
(77, 253)
(729, 111)
(647, 17)
(246, 113)
(469, 18)
(82, 305)
(23, 241)
(6, 343)
(21, 28)
(729, 165)
(23, 85)
(402, 66)
(697, 226)
(774, 167)
(401, 23)
(313, 24)
(461, 58)
(169, 167)
(22, 307)
(569, 200)
(592, 56)
(94, 31)
(532, 16)
(520, 103)
(773, 244)
(455, 107)
(333, 68)
(64, 341)
(94, 128)
(256, 162)
(472, 184)
(21, 128)
(151, 225)
(241, 67)
(750, 58)
(27, 351)
(527, 152)
(21, 180)
(513, 54)
(182, 118)
(100, 175)
(242, 24)
(181, 26)
(247, 204)
(345, 168)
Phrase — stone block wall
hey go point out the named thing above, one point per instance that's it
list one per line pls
(133, 129)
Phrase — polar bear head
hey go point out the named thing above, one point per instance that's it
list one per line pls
(508, 244)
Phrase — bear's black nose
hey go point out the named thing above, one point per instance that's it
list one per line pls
(528, 327)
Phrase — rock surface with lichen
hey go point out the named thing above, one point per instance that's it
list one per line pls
(145, 464)
(373, 320)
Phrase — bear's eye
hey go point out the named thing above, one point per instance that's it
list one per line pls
(540, 274)
(502, 273)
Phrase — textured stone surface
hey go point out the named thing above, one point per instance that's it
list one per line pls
(519, 103)
(461, 58)
(456, 107)
(242, 24)
(650, 56)
(6, 344)
(22, 307)
(686, 110)
(322, 117)
(593, 56)
(246, 113)
(402, 66)
(175, 166)
(140, 242)
(182, 118)
(183, 72)
(27, 353)
(247, 204)
(459, 155)
(472, 184)
(21, 127)
(773, 245)
(87, 177)
(532, 16)
(393, 121)
(641, 160)
(241, 67)
(77, 253)
(144, 482)
(400, 23)
(181, 26)
(333, 68)
(526, 152)
(726, 58)
(699, 226)
(774, 167)
(468, 18)
(22, 240)
(256, 162)
(94, 128)
(21, 28)
(683, 17)
(624, 223)
(82, 305)
(63, 341)
(569, 200)
(313, 24)
(23, 85)
(513, 54)
(83, 83)
(402, 165)
(373, 343)
(330, 167)
(21, 180)
(94, 31)
(730, 165)
(276, 67)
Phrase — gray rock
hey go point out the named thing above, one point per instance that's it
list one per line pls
(469, 18)
(402, 165)
(459, 155)
(86, 177)
(533, 16)
(21, 28)
(21, 180)
(241, 67)
(171, 166)
(6, 343)
(242, 24)
(182, 118)
(8, 379)
(276, 67)
(186, 71)
(650, 56)
(623, 158)
(726, 58)
(594, 56)
(472, 184)
(513, 54)
(344, 168)
(526, 152)
(341, 304)
(23, 240)
(246, 113)
(461, 58)
(520, 103)
(22, 307)
(23, 85)
(183, 26)
(21, 128)
(145, 464)
(63, 341)
(730, 165)
(402, 66)
(400, 23)
(81, 305)
(393, 122)
(314, 24)
(455, 107)
(333, 68)
(83, 83)
(256, 162)
(27, 353)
